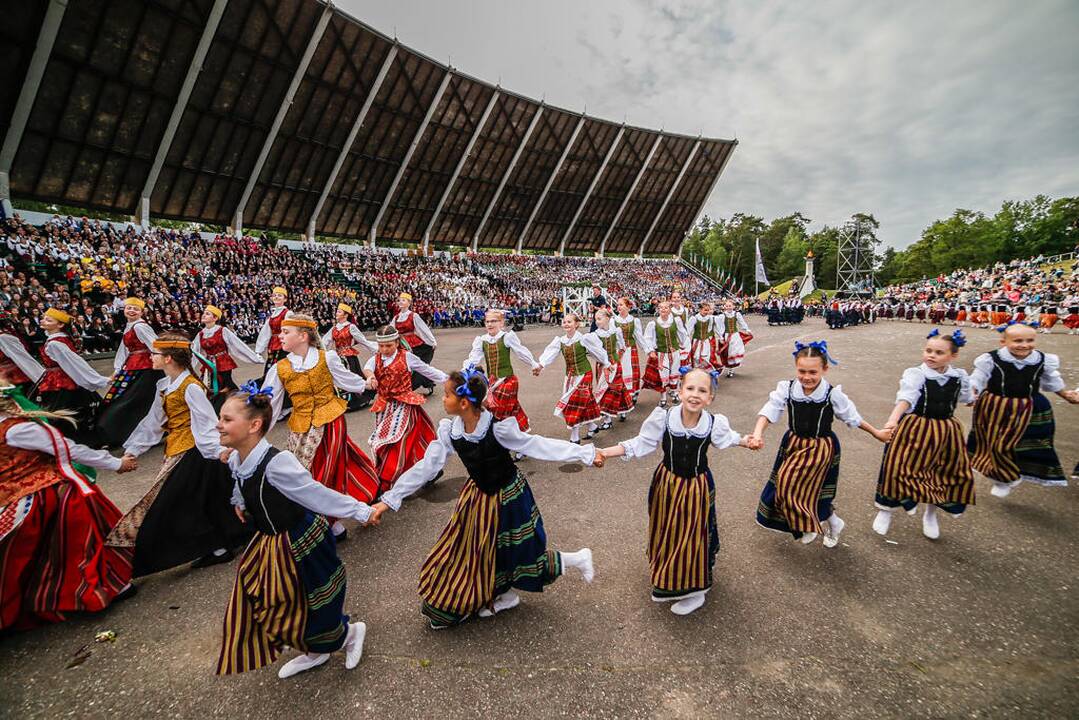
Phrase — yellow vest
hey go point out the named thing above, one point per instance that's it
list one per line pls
(177, 427)
(314, 400)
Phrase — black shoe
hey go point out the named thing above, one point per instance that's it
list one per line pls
(127, 593)
(342, 537)
(211, 559)
(435, 479)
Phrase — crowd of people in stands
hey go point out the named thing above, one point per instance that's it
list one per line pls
(87, 267)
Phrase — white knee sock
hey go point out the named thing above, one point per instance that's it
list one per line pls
(575, 434)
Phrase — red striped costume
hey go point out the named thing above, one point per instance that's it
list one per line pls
(631, 360)
(402, 429)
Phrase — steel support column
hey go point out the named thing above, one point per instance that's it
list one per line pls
(550, 181)
(297, 78)
(408, 155)
(46, 37)
(670, 194)
(591, 187)
(506, 177)
(193, 71)
(632, 189)
(356, 125)
(457, 170)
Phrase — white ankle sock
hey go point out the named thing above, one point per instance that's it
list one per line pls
(688, 604)
(337, 528)
(575, 434)
(931, 523)
(301, 663)
(582, 560)
(882, 522)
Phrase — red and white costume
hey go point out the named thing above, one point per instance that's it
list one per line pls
(667, 339)
(224, 348)
(703, 341)
(612, 395)
(633, 336)
(733, 336)
(577, 406)
(493, 353)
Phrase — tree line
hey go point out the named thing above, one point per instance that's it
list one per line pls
(966, 239)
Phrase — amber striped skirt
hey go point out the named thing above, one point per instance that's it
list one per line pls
(926, 462)
(798, 496)
(682, 537)
(491, 543)
(289, 590)
(1012, 440)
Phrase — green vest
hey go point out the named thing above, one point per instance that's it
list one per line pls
(576, 358)
(703, 329)
(730, 324)
(667, 337)
(610, 344)
(497, 357)
(629, 330)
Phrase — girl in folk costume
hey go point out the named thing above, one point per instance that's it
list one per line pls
(678, 307)
(290, 586)
(268, 342)
(53, 522)
(1012, 435)
(926, 459)
(961, 316)
(17, 365)
(133, 388)
(797, 498)
(633, 336)
(416, 338)
(612, 395)
(318, 436)
(1072, 321)
(343, 338)
(665, 341)
(577, 406)
(68, 382)
(702, 338)
(733, 336)
(682, 536)
(1047, 318)
(494, 349)
(494, 542)
(223, 348)
(184, 516)
(402, 429)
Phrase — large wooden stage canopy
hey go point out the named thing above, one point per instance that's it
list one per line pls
(290, 115)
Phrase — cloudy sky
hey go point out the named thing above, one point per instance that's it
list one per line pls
(906, 110)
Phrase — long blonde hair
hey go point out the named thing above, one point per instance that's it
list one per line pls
(9, 406)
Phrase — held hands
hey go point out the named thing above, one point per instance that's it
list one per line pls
(127, 464)
(239, 513)
(372, 383)
(753, 442)
(376, 513)
(885, 435)
(1071, 396)
(600, 459)
(537, 370)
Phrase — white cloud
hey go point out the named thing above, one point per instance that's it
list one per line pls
(905, 110)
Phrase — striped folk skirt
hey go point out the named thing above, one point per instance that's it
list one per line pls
(400, 439)
(612, 395)
(798, 496)
(289, 590)
(335, 460)
(926, 462)
(1012, 440)
(502, 401)
(491, 543)
(682, 536)
(661, 371)
(53, 556)
(631, 370)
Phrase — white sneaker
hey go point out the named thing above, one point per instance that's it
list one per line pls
(299, 664)
(882, 522)
(688, 604)
(808, 538)
(1000, 490)
(930, 523)
(588, 570)
(357, 631)
(834, 526)
(506, 601)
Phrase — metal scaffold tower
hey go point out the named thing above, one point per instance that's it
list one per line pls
(854, 264)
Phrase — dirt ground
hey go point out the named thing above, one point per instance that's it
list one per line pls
(979, 624)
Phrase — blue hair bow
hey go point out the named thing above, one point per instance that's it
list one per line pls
(1005, 326)
(820, 346)
(463, 390)
(957, 338)
(251, 387)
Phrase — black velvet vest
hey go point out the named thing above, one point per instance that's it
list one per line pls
(809, 419)
(1012, 382)
(489, 464)
(937, 401)
(685, 456)
(271, 511)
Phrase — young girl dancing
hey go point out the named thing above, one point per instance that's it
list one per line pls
(133, 387)
(682, 536)
(290, 586)
(494, 542)
(577, 406)
(184, 516)
(1012, 435)
(633, 336)
(53, 522)
(416, 338)
(17, 365)
(494, 349)
(223, 348)
(666, 342)
(402, 429)
(926, 459)
(612, 395)
(733, 336)
(702, 334)
(343, 338)
(318, 435)
(797, 498)
(268, 342)
(68, 382)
